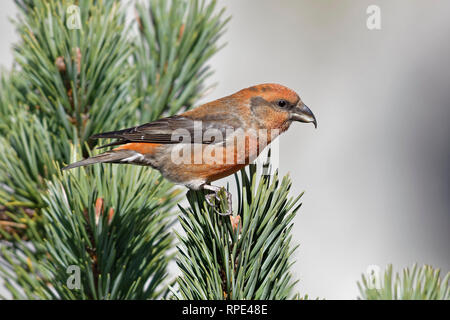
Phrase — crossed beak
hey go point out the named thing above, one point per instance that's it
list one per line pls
(303, 114)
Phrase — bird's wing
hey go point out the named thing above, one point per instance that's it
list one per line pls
(176, 129)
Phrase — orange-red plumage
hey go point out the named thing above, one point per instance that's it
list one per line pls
(144, 148)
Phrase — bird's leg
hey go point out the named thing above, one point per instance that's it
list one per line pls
(216, 195)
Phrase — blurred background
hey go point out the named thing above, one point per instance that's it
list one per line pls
(376, 172)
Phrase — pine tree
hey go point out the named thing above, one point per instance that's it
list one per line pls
(112, 223)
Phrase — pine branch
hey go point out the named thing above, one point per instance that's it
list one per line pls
(13, 89)
(79, 82)
(113, 224)
(412, 284)
(69, 84)
(247, 256)
(78, 78)
(27, 159)
(176, 38)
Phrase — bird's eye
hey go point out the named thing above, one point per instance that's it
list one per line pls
(282, 103)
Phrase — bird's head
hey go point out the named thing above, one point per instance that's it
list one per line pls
(275, 101)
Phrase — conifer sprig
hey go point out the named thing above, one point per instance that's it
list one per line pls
(68, 84)
(114, 225)
(175, 40)
(414, 283)
(78, 78)
(246, 257)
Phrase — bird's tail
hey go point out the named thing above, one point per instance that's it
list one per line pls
(112, 156)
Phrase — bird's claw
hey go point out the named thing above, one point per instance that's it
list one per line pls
(227, 213)
(210, 199)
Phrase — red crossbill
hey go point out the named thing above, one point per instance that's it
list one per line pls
(202, 145)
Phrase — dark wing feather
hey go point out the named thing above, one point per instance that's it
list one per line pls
(175, 129)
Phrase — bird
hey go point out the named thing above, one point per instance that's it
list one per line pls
(208, 142)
